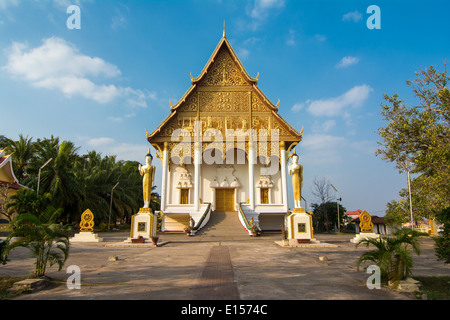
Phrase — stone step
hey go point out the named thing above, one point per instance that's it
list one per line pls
(223, 224)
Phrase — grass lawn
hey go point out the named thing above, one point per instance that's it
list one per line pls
(436, 288)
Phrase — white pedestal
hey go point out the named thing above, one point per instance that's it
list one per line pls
(86, 237)
(362, 236)
(143, 225)
(300, 225)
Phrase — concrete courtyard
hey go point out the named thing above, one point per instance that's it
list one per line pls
(209, 268)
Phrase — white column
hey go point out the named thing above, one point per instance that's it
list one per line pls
(165, 170)
(251, 177)
(197, 160)
(283, 175)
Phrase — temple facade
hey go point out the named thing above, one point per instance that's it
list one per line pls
(224, 148)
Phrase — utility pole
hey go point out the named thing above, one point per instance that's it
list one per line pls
(39, 174)
(110, 205)
(338, 199)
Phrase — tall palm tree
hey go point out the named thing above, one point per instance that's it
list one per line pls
(101, 174)
(58, 177)
(22, 152)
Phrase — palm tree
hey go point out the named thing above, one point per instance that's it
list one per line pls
(392, 254)
(47, 240)
(58, 177)
(22, 152)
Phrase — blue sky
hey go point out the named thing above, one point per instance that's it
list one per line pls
(102, 85)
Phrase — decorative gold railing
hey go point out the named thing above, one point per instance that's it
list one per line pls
(203, 220)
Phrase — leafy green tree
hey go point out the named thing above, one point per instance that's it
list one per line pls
(419, 135)
(392, 254)
(442, 242)
(47, 240)
(325, 216)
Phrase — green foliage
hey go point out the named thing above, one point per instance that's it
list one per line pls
(392, 254)
(442, 242)
(419, 135)
(325, 216)
(76, 183)
(47, 240)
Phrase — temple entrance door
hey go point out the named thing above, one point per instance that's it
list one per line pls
(225, 200)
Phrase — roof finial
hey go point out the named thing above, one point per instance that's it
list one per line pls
(224, 29)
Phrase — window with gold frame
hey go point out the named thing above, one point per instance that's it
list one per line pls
(264, 195)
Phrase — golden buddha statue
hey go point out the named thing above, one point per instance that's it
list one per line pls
(148, 172)
(296, 171)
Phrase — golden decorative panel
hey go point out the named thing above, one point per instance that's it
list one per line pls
(224, 71)
(223, 101)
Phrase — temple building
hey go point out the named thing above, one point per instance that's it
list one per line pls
(8, 184)
(224, 148)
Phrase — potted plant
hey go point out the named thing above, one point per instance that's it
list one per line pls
(188, 231)
(155, 241)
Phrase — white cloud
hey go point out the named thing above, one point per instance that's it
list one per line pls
(299, 106)
(322, 148)
(291, 40)
(323, 127)
(119, 20)
(354, 16)
(110, 147)
(347, 61)
(261, 10)
(353, 98)
(243, 53)
(320, 37)
(4, 4)
(58, 65)
(98, 142)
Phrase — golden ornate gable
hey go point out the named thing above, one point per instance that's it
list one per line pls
(224, 97)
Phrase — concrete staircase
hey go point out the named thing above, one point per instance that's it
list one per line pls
(223, 226)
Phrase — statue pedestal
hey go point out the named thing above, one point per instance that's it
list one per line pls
(86, 237)
(364, 235)
(300, 226)
(143, 225)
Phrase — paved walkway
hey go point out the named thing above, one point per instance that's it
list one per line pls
(190, 268)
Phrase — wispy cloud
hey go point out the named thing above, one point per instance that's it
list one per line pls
(291, 40)
(353, 98)
(347, 61)
(110, 146)
(58, 65)
(354, 16)
(119, 20)
(4, 4)
(323, 148)
(261, 10)
(323, 127)
(320, 37)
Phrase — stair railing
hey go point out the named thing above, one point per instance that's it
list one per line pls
(203, 220)
(244, 221)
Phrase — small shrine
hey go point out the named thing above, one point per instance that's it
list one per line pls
(86, 233)
(366, 228)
